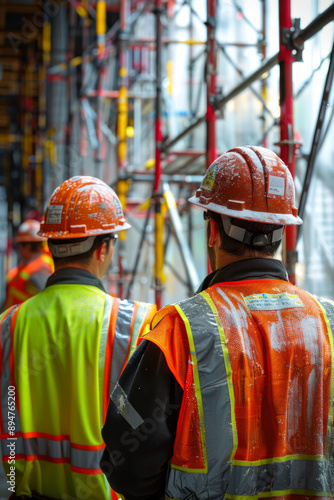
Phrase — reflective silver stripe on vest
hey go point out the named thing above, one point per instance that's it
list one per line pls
(328, 306)
(314, 476)
(224, 478)
(56, 450)
(102, 348)
(292, 476)
(140, 314)
(121, 341)
(5, 377)
(212, 374)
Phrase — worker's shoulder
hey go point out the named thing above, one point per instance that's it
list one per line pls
(6, 316)
(131, 303)
(192, 306)
(325, 304)
(143, 309)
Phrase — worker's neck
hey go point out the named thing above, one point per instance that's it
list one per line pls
(223, 259)
(90, 267)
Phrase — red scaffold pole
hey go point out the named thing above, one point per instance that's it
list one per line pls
(286, 124)
(211, 83)
(211, 56)
(159, 221)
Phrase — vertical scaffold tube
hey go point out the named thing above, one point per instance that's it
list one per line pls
(101, 40)
(211, 152)
(122, 122)
(41, 135)
(122, 104)
(264, 80)
(159, 220)
(211, 57)
(286, 124)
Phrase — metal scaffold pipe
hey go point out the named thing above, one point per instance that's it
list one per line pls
(211, 151)
(122, 122)
(316, 138)
(286, 124)
(176, 224)
(264, 80)
(314, 27)
(159, 220)
(101, 41)
(267, 66)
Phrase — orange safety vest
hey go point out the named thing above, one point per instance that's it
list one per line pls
(26, 280)
(61, 354)
(257, 415)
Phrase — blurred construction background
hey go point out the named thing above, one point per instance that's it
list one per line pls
(145, 94)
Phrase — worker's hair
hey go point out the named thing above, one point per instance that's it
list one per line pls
(83, 258)
(236, 247)
(35, 246)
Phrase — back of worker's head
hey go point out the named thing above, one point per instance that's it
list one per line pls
(250, 193)
(82, 213)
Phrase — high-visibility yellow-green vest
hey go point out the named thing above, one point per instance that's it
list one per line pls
(62, 352)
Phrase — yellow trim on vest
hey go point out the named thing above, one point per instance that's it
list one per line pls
(197, 391)
(272, 460)
(330, 436)
(228, 370)
(186, 469)
(279, 493)
(140, 315)
(24, 275)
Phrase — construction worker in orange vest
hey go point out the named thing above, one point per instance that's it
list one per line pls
(34, 268)
(63, 350)
(230, 396)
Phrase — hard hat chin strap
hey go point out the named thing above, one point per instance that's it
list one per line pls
(257, 240)
(70, 249)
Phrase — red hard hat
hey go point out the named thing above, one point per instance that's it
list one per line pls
(81, 207)
(250, 183)
(28, 231)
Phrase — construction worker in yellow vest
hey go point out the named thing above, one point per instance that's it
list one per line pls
(34, 268)
(63, 350)
(231, 395)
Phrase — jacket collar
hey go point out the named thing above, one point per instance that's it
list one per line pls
(248, 269)
(74, 276)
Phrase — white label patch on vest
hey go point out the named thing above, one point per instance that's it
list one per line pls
(120, 400)
(54, 214)
(272, 302)
(276, 186)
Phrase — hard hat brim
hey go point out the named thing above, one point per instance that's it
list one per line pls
(252, 215)
(59, 235)
(29, 238)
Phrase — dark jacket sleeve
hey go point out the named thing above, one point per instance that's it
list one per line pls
(139, 439)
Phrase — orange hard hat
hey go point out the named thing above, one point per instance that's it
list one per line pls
(82, 206)
(28, 232)
(250, 183)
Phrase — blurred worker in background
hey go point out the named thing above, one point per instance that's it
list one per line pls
(64, 349)
(34, 268)
(231, 394)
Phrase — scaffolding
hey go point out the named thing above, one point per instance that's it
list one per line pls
(106, 108)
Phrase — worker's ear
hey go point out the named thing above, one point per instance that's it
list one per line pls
(213, 233)
(101, 252)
